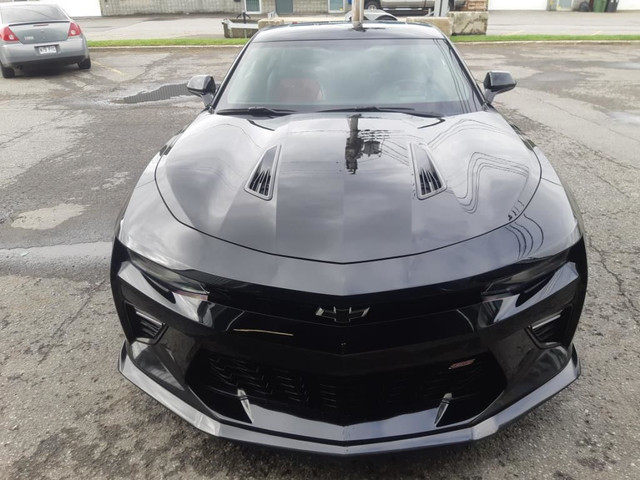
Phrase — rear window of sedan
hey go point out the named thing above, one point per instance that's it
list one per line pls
(32, 14)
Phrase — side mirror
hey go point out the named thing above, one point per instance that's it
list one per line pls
(202, 86)
(496, 82)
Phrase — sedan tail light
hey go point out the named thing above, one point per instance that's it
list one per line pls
(7, 35)
(74, 30)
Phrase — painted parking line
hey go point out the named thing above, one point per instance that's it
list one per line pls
(108, 68)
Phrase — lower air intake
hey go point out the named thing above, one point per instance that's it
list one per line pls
(471, 386)
(145, 328)
(552, 330)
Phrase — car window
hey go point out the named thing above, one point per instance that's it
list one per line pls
(424, 74)
(32, 13)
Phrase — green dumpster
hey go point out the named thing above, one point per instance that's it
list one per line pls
(599, 5)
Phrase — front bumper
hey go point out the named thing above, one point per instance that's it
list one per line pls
(219, 428)
(19, 55)
(279, 377)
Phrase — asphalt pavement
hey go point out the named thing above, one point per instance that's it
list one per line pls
(500, 23)
(73, 143)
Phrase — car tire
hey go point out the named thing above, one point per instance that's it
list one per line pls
(85, 64)
(7, 72)
(371, 5)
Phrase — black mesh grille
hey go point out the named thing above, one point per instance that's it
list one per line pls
(352, 398)
(429, 182)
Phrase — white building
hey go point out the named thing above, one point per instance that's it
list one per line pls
(542, 4)
(91, 8)
(76, 8)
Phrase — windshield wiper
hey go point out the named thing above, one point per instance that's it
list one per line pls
(369, 108)
(373, 108)
(255, 111)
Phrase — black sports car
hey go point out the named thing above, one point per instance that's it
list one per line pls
(349, 251)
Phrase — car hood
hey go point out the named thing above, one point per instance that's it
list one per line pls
(345, 187)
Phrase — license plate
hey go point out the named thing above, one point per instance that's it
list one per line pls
(47, 50)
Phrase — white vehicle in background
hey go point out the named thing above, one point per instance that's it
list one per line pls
(35, 33)
(409, 4)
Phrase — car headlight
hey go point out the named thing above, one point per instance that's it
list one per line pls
(527, 277)
(168, 280)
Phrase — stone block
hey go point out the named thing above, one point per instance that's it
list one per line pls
(269, 22)
(443, 23)
(233, 28)
(469, 23)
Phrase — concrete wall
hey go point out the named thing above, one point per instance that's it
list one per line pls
(77, 8)
(150, 7)
(518, 4)
(299, 6)
(90, 8)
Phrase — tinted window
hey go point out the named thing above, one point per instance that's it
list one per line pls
(32, 14)
(424, 74)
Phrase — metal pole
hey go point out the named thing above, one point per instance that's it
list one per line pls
(358, 13)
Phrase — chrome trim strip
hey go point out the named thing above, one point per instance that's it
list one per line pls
(535, 326)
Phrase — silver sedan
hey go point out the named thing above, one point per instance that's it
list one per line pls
(39, 33)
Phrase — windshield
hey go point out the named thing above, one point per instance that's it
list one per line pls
(423, 75)
(32, 14)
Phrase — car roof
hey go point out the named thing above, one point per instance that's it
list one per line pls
(7, 5)
(346, 31)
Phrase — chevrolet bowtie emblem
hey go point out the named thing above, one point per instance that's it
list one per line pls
(342, 315)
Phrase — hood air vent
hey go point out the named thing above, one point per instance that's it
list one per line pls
(262, 179)
(428, 179)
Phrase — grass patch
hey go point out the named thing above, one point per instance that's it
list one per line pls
(169, 42)
(540, 38)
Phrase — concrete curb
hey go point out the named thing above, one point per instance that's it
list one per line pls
(150, 47)
(551, 42)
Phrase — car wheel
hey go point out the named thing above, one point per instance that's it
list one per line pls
(7, 72)
(85, 64)
(371, 6)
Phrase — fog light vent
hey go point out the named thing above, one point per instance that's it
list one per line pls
(552, 329)
(145, 327)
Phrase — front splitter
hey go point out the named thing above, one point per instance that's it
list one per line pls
(377, 445)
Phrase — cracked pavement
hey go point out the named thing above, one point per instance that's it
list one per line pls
(70, 152)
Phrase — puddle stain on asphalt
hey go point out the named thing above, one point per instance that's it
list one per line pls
(164, 92)
(47, 218)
